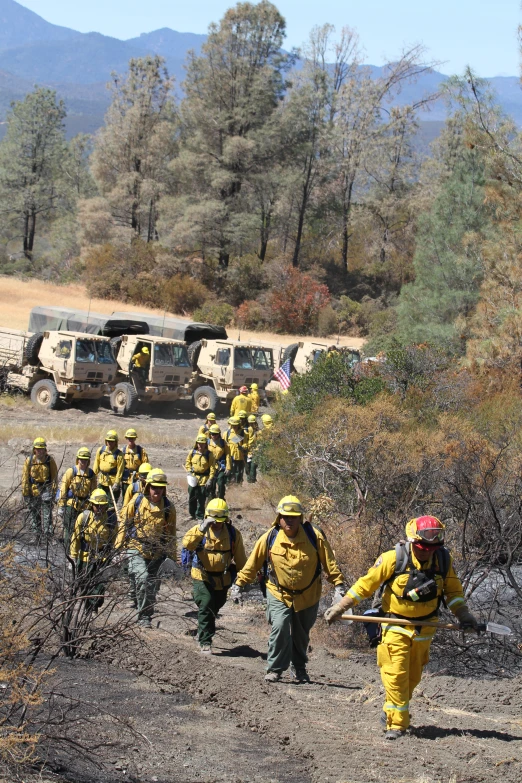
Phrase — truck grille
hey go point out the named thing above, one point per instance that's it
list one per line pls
(94, 376)
(168, 378)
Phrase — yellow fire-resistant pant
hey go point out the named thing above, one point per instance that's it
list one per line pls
(401, 658)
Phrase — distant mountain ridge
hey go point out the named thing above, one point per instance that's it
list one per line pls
(78, 65)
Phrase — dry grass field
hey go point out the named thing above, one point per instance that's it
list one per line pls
(18, 297)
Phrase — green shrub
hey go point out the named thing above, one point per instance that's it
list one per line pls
(327, 322)
(218, 313)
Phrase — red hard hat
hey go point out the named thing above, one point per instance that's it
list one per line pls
(425, 532)
(243, 389)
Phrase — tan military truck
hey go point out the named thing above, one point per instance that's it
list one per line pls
(166, 379)
(54, 366)
(221, 367)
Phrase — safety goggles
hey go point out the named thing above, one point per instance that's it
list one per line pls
(290, 508)
(431, 535)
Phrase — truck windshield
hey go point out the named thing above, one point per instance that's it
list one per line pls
(262, 358)
(181, 358)
(104, 352)
(85, 351)
(171, 356)
(243, 359)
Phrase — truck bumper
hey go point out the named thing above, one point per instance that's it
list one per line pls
(166, 393)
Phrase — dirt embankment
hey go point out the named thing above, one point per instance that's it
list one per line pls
(200, 719)
(18, 297)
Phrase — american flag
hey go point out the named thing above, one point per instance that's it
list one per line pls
(283, 375)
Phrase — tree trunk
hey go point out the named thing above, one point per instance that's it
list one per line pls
(347, 205)
(29, 233)
(302, 212)
(265, 233)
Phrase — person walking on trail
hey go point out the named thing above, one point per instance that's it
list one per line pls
(255, 399)
(208, 423)
(39, 483)
(138, 483)
(201, 467)
(243, 420)
(220, 449)
(241, 402)
(417, 576)
(237, 442)
(109, 466)
(133, 456)
(292, 556)
(147, 533)
(91, 545)
(215, 551)
(251, 465)
(140, 364)
(77, 484)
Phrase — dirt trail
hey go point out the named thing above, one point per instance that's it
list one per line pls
(18, 297)
(214, 719)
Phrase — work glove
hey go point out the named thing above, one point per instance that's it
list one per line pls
(334, 612)
(235, 594)
(208, 485)
(46, 496)
(204, 526)
(60, 513)
(339, 593)
(468, 622)
(227, 473)
(115, 488)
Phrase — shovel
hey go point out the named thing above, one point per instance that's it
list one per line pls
(500, 630)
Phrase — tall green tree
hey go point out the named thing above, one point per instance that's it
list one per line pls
(32, 187)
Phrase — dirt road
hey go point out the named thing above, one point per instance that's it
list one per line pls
(203, 719)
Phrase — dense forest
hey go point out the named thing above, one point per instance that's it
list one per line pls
(278, 190)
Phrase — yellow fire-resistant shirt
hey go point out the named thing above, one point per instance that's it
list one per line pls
(147, 530)
(132, 458)
(392, 601)
(238, 450)
(295, 562)
(38, 477)
(240, 403)
(221, 452)
(108, 466)
(253, 434)
(216, 555)
(254, 401)
(90, 537)
(141, 360)
(202, 465)
(75, 490)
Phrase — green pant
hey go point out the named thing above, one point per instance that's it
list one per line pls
(40, 514)
(144, 582)
(238, 467)
(251, 471)
(70, 516)
(289, 635)
(197, 501)
(209, 602)
(219, 485)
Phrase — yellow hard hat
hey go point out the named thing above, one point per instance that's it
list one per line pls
(157, 478)
(145, 349)
(111, 435)
(266, 418)
(214, 430)
(290, 506)
(99, 498)
(211, 416)
(201, 439)
(218, 509)
(254, 386)
(242, 414)
(234, 421)
(39, 443)
(252, 419)
(131, 433)
(83, 453)
(144, 469)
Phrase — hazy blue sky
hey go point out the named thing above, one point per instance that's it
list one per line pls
(482, 33)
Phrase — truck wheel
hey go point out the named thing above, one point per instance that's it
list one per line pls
(32, 349)
(45, 394)
(193, 354)
(290, 352)
(206, 399)
(124, 399)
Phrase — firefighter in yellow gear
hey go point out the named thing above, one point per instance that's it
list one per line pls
(293, 555)
(138, 483)
(241, 402)
(39, 483)
(205, 427)
(251, 464)
(267, 420)
(218, 551)
(414, 590)
(77, 484)
(243, 420)
(147, 531)
(255, 399)
(201, 465)
(134, 455)
(109, 466)
(91, 548)
(221, 451)
(237, 441)
(140, 364)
